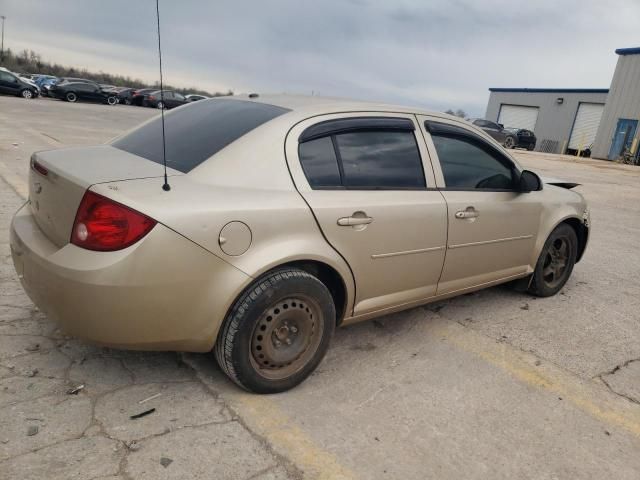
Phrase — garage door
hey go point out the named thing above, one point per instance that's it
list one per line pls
(586, 125)
(518, 116)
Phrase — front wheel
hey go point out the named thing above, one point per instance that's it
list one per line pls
(160, 105)
(112, 100)
(26, 93)
(556, 262)
(71, 97)
(278, 331)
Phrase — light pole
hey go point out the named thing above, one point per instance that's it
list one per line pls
(2, 47)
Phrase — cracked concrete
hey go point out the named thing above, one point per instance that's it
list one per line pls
(624, 380)
(489, 385)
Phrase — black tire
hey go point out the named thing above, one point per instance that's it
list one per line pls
(510, 142)
(553, 269)
(256, 321)
(71, 97)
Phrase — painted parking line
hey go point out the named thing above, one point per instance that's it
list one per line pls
(588, 396)
(265, 418)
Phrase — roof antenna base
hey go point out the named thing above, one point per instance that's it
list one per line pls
(166, 187)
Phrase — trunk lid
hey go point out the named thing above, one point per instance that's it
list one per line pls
(59, 178)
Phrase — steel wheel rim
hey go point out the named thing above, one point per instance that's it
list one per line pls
(111, 101)
(508, 142)
(160, 105)
(27, 94)
(286, 337)
(556, 261)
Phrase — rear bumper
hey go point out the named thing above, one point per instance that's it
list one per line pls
(163, 293)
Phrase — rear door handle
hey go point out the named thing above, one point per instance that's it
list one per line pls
(353, 221)
(470, 212)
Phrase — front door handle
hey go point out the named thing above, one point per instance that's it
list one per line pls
(358, 218)
(470, 212)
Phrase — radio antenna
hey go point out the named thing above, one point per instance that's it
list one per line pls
(166, 187)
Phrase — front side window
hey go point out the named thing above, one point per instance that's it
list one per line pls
(362, 154)
(469, 164)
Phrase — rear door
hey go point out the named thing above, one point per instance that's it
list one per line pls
(492, 227)
(366, 177)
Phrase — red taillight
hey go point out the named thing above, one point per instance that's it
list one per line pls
(104, 225)
(151, 97)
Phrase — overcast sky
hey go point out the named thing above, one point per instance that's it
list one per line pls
(432, 53)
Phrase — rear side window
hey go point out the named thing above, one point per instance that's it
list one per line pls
(319, 163)
(370, 157)
(388, 160)
(197, 131)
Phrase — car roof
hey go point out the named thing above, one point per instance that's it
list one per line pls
(317, 105)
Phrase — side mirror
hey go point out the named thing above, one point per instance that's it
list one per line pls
(529, 182)
(501, 126)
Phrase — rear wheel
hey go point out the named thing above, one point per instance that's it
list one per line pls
(509, 142)
(277, 333)
(160, 105)
(26, 93)
(112, 100)
(556, 262)
(71, 97)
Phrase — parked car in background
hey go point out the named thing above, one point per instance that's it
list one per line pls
(125, 94)
(355, 210)
(137, 96)
(40, 79)
(84, 91)
(12, 84)
(169, 99)
(195, 98)
(45, 84)
(524, 138)
(496, 130)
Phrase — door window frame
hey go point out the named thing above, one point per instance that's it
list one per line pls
(295, 166)
(476, 134)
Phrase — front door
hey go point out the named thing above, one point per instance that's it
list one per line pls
(623, 137)
(364, 178)
(492, 227)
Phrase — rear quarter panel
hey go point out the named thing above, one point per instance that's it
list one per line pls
(248, 182)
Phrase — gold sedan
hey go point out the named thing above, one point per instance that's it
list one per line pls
(286, 217)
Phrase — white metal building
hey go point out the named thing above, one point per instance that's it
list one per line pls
(566, 120)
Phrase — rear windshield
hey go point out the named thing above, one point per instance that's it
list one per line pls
(197, 131)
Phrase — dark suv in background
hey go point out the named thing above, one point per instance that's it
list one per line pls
(507, 136)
